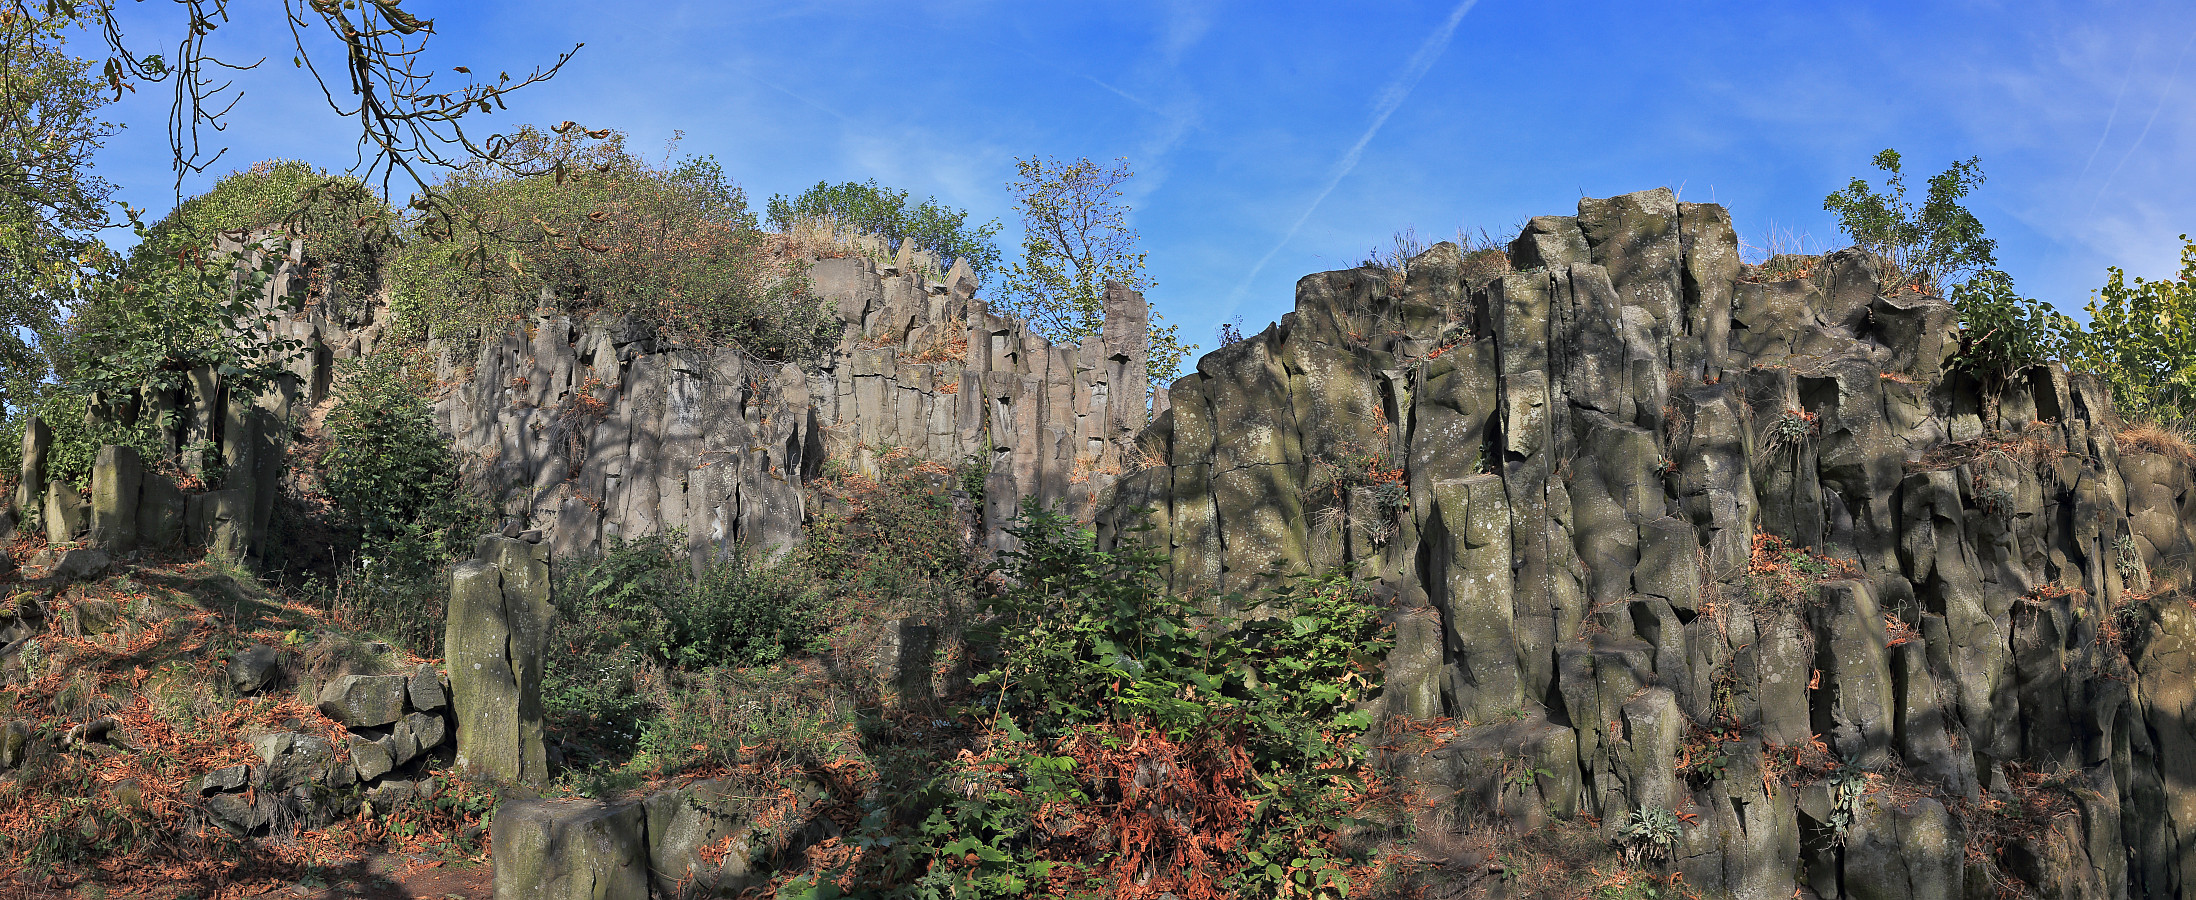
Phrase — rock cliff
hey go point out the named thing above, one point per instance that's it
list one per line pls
(1673, 533)
(599, 431)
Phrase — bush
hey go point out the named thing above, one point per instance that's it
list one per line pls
(2142, 338)
(2002, 332)
(1227, 747)
(740, 612)
(344, 226)
(1929, 247)
(675, 247)
(387, 468)
(870, 208)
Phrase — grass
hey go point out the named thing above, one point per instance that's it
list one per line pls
(2170, 441)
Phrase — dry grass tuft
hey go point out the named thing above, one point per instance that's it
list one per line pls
(2155, 437)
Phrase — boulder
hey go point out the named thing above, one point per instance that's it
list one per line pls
(117, 476)
(426, 690)
(254, 668)
(241, 813)
(364, 701)
(81, 564)
(7, 562)
(570, 850)
(227, 779)
(371, 758)
(682, 821)
(14, 744)
(161, 507)
(65, 513)
(289, 760)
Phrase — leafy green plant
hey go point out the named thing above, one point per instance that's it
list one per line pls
(387, 466)
(741, 611)
(1928, 247)
(1650, 834)
(2142, 338)
(2002, 332)
(1847, 786)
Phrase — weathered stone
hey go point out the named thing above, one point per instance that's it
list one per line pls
(241, 813)
(428, 730)
(371, 758)
(498, 621)
(161, 508)
(570, 850)
(66, 513)
(290, 760)
(254, 668)
(681, 822)
(364, 701)
(226, 779)
(117, 478)
(426, 692)
(80, 564)
(14, 744)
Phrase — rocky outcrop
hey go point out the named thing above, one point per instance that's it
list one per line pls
(1641, 506)
(600, 430)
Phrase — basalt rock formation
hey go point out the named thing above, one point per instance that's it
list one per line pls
(1684, 536)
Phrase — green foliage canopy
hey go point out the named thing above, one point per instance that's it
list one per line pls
(1930, 246)
(51, 205)
(1075, 238)
(2142, 338)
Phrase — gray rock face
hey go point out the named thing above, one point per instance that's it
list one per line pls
(498, 626)
(1596, 447)
(253, 668)
(365, 700)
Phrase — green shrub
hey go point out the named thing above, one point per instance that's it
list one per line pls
(871, 208)
(387, 468)
(2142, 338)
(344, 225)
(740, 612)
(674, 246)
(2002, 332)
(1102, 681)
(1927, 247)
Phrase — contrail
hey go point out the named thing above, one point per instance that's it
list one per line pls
(2109, 119)
(2163, 94)
(1391, 98)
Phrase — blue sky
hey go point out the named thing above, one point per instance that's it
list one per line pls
(1277, 139)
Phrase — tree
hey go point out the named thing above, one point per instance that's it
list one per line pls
(1929, 247)
(1075, 238)
(51, 205)
(2142, 338)
(871, 208)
